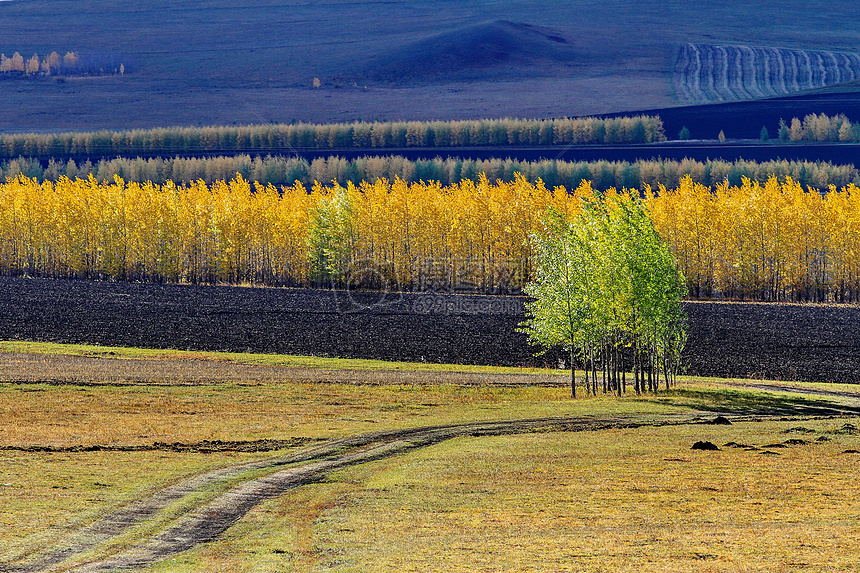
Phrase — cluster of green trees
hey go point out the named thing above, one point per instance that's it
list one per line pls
(483, 132)
(289, 170)
(604, 280)
(332, 238)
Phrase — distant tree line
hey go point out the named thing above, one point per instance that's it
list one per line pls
(820, 128)
(289, 170)
(484, 132)
(54, 64)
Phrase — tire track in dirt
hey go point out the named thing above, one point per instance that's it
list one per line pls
(208, 522)
(202, 524)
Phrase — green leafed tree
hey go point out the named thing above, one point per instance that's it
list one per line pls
(563, 310)
(784, 132)
(605, 283)
(331, 237)
(657, 323)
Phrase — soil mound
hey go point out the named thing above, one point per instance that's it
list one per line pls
(707, 446)
(485, 50)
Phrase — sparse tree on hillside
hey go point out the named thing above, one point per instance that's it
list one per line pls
(684, 134)
(33, 65)
(784, 132)
(52, 62)
(13, 64)
(795, 132)
(71, 60)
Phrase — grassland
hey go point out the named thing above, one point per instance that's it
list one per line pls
(620, 500)
(614, 499)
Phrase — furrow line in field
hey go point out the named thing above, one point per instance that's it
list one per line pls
(706, 73)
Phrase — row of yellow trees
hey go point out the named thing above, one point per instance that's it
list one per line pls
(409, 235)
(53, 63)
(766, 241)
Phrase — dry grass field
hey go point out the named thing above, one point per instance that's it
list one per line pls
(114, 430)
(626, 500)
(220, 62)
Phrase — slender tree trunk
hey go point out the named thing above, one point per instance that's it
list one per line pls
(666, 371)
(650, 373)
(572, 374)
(636, 386)
(623, 376)
(585, 367)
(605, 368)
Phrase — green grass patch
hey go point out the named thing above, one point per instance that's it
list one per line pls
(118, 352)
(44, 497)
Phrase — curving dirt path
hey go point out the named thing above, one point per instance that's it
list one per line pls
(207, 522)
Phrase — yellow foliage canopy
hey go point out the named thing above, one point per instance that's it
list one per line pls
(768, 241)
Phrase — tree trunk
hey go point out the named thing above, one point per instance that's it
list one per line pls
(572, 375)
(585, 367)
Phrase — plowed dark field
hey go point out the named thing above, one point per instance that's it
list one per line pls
(775, 341)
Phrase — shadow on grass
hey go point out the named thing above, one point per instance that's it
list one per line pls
(752, 402)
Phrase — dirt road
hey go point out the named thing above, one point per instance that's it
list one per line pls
(207, 522)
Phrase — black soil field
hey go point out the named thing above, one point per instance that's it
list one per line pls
(775, 341)
(744, 119)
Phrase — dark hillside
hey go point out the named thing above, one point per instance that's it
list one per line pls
(487, 51)
(744, 119)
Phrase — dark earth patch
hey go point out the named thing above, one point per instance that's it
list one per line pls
(706, 446)
(732, 340)
(206, 446)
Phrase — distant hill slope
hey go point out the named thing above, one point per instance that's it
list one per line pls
(238, 61)
(485, 51)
